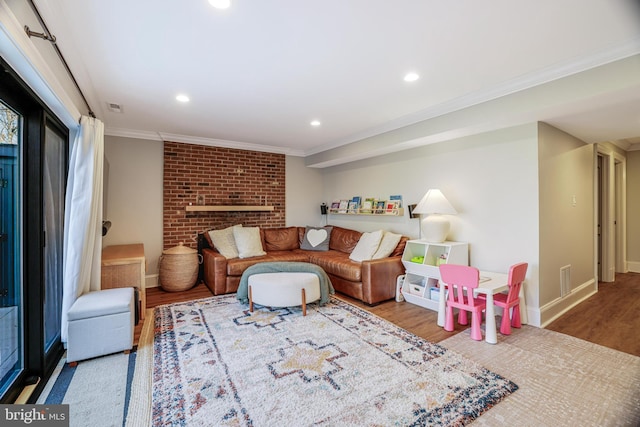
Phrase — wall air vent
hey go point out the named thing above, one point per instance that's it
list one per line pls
(114, 107)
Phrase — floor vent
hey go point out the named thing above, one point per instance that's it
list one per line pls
(565, 280)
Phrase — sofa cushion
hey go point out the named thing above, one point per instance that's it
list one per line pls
(248, 242)
(399, 250)
(280, 239)
(237, 266)
(387, 245)
(344, 240)
(338, 264)
(224, 242)
(367, 246)
(316, 238)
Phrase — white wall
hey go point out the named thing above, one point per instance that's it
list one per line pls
(566, 228)
(491, 179)
(633, 207)
(303, 193)
(134, 196)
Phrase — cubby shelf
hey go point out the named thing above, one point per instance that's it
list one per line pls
(232, 208)
(372, 212)
(423, 275)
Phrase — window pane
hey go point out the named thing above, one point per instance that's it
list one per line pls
(53, 181)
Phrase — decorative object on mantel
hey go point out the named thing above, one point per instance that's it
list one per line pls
(435, 226)
(178, 268)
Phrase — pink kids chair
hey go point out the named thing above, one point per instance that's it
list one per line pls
(460, 281)
(511, 301)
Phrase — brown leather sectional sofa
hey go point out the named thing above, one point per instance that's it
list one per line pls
(371, 281)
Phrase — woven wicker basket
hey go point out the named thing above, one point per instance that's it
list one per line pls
(178, 268)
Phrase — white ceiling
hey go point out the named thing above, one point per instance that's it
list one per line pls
(260, 71)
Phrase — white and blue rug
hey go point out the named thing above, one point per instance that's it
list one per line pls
(216, 363)
(96, 390)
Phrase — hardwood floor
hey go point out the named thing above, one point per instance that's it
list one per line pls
(609, 318)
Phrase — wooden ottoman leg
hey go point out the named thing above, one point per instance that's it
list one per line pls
(304, 303)
(250, 301)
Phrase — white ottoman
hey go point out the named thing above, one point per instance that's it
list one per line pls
(284, 289)
(100, 323)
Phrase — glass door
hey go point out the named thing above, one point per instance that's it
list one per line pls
(33, 168)
(54, 171)
(11, 308)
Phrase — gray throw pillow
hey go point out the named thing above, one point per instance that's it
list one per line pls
(316, 238)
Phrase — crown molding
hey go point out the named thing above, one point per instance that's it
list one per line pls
(187, 139)
(213, 142)
(132, 133)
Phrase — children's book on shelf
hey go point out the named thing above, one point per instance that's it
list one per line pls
(357, 200)
(353, 207)
(380, 205)
(367, 205)
(397, 198)
(344, 205)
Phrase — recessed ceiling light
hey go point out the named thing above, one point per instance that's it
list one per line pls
(411, 77)
(182, 98)
(220, 4)
(315, 123)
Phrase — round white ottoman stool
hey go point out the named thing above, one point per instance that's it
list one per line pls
(284, 289)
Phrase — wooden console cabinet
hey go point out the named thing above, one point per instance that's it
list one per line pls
(124, 266)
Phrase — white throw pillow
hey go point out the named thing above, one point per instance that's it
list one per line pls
(224, 241)
(387, 245)
(367, 246)
(248, 242)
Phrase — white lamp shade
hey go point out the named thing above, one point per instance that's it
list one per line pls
(434, 226)
(434, 202)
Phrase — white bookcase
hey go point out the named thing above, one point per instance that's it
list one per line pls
(421, 279)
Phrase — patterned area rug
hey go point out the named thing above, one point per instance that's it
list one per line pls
(215, 363)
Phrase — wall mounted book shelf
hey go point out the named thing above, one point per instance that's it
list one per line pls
(374, 212)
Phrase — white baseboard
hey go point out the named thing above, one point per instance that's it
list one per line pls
(151, 281)
(633, 266)
(556, 308)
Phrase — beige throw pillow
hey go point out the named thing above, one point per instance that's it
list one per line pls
(224, 241)
(387, 245)
(248, 242)
(367, 246)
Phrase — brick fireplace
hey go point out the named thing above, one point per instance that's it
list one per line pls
(203, 175)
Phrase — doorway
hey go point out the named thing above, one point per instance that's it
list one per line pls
(610, 213)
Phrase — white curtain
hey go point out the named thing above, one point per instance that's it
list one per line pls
(83, 216)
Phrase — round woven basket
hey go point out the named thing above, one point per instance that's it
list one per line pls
(178, 268)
